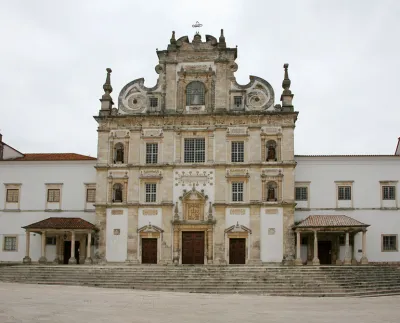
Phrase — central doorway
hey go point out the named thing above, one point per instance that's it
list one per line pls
(193, 247)
(325, 252)
(237, 251)
(149, 250)
(67, 251)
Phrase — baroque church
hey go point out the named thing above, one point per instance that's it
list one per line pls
(198, 169)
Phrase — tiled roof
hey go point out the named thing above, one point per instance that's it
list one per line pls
(61, 223)
(53, 157)
(315, 221)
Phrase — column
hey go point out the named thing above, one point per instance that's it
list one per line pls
(176, 252)
(27, 259)
(298, 261)
(88, 260)
(132, 246)
(72, 260)
(315, 260)
(364, 259)
(347, 257)
(57, 258)
(43, 259)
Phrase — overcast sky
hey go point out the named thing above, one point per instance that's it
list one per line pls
(344, 59)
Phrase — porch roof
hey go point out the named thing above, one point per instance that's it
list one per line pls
(330, 221)
(61, 223)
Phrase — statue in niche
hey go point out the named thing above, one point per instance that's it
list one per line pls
(271, 154)
(271, 192)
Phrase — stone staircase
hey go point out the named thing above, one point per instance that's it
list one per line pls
(323, 281)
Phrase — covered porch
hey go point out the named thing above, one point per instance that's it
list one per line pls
(72, 238)
(329, 240)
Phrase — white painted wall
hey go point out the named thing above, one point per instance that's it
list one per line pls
(234, 218)
(9, 153)
(366, 172)
(116, 247)
(33, 176)
(271, 232)
(154, 219)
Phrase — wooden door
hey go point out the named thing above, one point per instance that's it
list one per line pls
(237, 251)
(149, 250)
(325, 252)
(193, 247)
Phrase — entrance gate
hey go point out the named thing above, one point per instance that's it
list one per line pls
(237, 251)
(193, 247)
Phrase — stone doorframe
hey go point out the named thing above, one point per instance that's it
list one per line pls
(207, 228)
(150, 231)
(237, 231)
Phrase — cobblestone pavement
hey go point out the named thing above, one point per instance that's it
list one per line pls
(40, 303)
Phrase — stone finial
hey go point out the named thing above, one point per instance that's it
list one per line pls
(106, 99)
(222, 43)
(173, 40)
(287, 95)
(286, 80)
(107, 85)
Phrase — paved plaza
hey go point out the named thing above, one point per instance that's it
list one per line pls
(33, 303)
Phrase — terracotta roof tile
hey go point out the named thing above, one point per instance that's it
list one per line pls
(61, 223)
(53, 157)
(314, 221)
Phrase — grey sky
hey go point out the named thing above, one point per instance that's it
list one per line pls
(343, 56)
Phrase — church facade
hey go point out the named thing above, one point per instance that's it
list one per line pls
(198, 169)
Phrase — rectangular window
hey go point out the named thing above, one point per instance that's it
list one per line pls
(153, 102)
(10, 243)
(151, 192)
(237, 101)
(389, 243)
(151, 153)
(388, 192)
(12, 195)
(194, 150)
(237, 152)
(237, 191)
(91, 195)
(51, 241)
(53, 195)
(344, 192)
(301, 194)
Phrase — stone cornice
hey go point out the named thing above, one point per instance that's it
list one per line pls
(218, 120)
(284, 164)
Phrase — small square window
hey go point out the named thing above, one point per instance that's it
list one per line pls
(151, 153)
(51, 241)
(53, 195)
(344, 193)
(91, 195)
(153, 102)
(237, 101)
(389, 243)
(237, 191)
(237, 154)
(151, 192)
(10, 244)
(12, 195)
(301, 194)
(388, 192)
